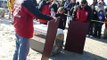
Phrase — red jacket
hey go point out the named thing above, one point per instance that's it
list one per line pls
(82, 15)
(23, 14)
(45, 10)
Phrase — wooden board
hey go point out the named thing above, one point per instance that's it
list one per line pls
(51, 35)
(76, 36)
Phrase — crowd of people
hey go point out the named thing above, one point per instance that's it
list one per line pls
(24, 11)
(95, 14)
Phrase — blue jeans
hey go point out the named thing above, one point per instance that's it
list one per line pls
(22, 48)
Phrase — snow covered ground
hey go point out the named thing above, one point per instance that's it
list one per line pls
(95, 49)
(7, 42)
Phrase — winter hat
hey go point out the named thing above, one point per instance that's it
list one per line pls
(83, 2)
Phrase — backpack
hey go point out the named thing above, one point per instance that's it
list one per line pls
(10, 4)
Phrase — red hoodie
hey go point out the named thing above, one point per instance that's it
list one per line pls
(23, 14)
(45, 10)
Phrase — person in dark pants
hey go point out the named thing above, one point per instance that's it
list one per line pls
(24, 11)
(93, 22)
(99, 24)
(62, 17)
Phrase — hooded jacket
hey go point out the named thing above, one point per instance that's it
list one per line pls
(24, 11)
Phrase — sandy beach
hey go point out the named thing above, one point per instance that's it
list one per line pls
(95, 49)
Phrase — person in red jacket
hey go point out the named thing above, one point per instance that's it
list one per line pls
(82, 13)
(44, 7)
(24, 11)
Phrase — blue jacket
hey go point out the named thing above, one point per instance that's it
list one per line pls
(102, 19)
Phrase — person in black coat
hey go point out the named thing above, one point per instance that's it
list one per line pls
(60, 14)
(93, 22)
